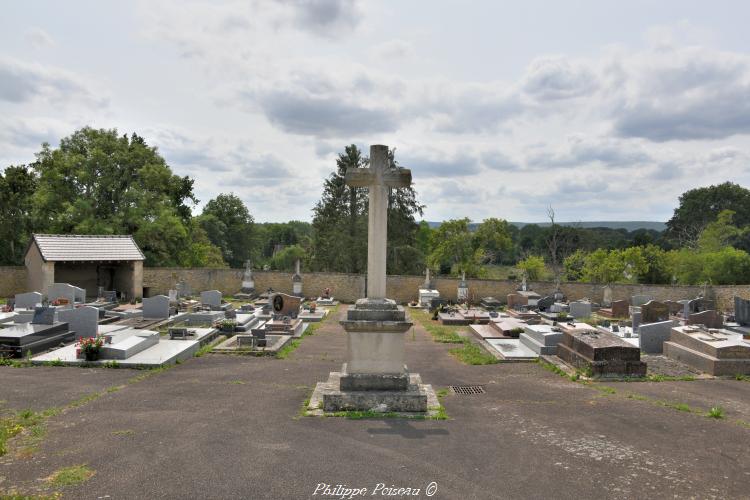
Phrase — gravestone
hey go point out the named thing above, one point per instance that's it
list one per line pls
(515, 300)
(545, 303)
(285, 305)
(375, 374)
(601, 353)
(580, 309)
(700, 304)
(710, 318)
(717, 353)
(173, 296)
(685, 308)
(741, 310)
(639, 300)
(28, 300)
(427, 285)
(84, 321)
(80, 294)
(62, 292)
(636, 320)
(156, 307)
(618, 309)
(607, 296)
(110, 295)
(653, 335)
(542, 339)
(297, 280)
(248, 284)
(44, 315)
(211, 298)
(463, 289)
(673, 306)
(654, 312)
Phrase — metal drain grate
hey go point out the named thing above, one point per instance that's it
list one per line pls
(467, 390)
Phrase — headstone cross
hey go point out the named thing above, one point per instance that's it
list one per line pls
(378, 179)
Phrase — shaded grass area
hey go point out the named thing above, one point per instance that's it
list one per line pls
(468, 352)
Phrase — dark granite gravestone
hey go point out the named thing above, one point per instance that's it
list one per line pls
(545, 303)
(285, 305)
(618, 309)
(710, 318)
(44, 315)
(654, 312)
(742, 311)
(700, 304)
(602, 354)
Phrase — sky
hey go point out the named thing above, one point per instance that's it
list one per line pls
(604, 110)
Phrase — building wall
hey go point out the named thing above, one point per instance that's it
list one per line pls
(350, 287)
(40, 274)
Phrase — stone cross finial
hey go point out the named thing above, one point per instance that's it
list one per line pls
(378, 178)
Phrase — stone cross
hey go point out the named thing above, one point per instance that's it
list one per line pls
(523, 283)
(378, 179)
(296, 267)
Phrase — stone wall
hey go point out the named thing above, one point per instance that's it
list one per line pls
(349, 287)
(12, 280)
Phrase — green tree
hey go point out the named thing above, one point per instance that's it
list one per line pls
(98, 182)
(452, 248)
(719, 233)
(574, 264)
(229, 225)
(17, 185)
(339, 236)
(287, 257)
(532, 266)
(698, 207)
(493, 239)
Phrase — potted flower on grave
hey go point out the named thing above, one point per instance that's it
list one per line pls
(313, 306)
(227, 325)
(89, 347)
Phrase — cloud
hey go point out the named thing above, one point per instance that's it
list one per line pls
(323, 116)
(327, 18)
(682, 94)
(497, 160)
(580, 150)
(393, 49)
(38, 38)
(22, 82)
(549, 79)
(459, 165)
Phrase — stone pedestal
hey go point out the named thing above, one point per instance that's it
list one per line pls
(375, 376)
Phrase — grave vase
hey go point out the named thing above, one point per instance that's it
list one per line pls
(91, 355)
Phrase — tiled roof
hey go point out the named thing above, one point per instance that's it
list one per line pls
(77, 248)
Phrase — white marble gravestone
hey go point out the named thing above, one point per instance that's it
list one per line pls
(28, 300)
(62, 291)
(84, 321)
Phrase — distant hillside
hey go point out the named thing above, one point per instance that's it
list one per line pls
(630, 225)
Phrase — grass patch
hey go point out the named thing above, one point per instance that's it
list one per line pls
(440, 333)
(715, 412)
(605, 389)
(441, 393)
(125, 432)
(54, 362)
(472, 354)
(237, 382)
(740, 376)
(71, 476)
(111, 364)
(285, 351)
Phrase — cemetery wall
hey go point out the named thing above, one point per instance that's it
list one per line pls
(349, 287)
(12, 280)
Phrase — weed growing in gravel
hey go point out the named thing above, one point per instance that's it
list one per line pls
(715, 412)
(71, 476)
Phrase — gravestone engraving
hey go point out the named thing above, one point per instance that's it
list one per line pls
(156, 307)
(654, 312)
(81, 320)
(28, 300)
(741, 310)
(211, 298)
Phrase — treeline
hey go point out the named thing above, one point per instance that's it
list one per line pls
(100, 182)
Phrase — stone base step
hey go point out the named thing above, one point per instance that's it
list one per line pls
(536, 346)
(706, 363)
(604, 368)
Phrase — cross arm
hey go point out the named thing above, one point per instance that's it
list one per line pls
(359, 177)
